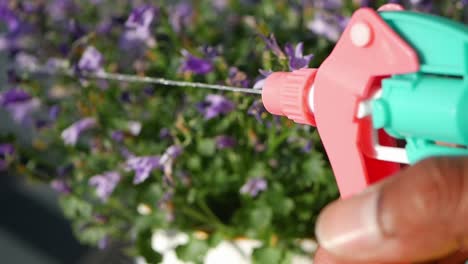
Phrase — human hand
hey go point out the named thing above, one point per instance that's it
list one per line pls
(419, 215)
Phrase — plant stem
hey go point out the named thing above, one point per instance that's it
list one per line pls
(199, 216)
(210, 213)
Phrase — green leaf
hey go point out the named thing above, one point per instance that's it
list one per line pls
(144, 248)
(74, 207)
(260, 218)
(266, 255)
(259, 169)
(215, 239)
(313, 168)
(154, 220)
(154, 192)
(285, 206)
(91, 235)
(207, 147)
(194, 163)
(194, 251)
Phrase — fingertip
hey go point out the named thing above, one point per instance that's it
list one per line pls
(350, 226)
(323, 257)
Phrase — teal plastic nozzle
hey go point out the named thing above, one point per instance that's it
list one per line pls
(424, 109)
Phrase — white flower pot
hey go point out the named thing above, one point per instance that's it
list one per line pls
(227, 252)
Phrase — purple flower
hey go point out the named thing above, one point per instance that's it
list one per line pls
(365, 3)
(257, 110)
(142, 166)
(91, 60)
(55, 64)
(422, 5)
(61, 186)
(17, 36)
(59, 9)
(75, 29)
(103, 243)
(329, 27)
(14, 96)
(215, 105)
(180, 16)
(4, 43)
(25, 61)
(19, 104)
(237, 78)
(260, 82)
(138, 28)
(343, 22)
(170, 155)
(22, 112)
(210, 52)
(308, 146)
(254, 186)
(224, 142)
(295, 55)
(195, 65)
(149, 90)
(105, 27)
(273, 46)
(125, 97)
(220, 5)
(164, 133)
(296, 58)
(63, 171)
(329, 4)
(105, 184)
(117, 136)
(72, 133)
(29, 8)
(126, 153)
(173, 152)
(54, 111)
(6, 151)
(9, 17)
(141, 17)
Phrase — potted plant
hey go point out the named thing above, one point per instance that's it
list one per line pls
(133, 159)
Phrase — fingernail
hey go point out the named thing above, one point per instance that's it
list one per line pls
(351, 226)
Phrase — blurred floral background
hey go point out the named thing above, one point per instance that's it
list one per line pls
(130, 158)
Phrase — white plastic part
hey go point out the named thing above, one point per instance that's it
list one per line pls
(361, 34)
(391, 154)
(364, 109)
(311, 98)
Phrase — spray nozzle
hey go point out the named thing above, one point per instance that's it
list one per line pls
(289, 94)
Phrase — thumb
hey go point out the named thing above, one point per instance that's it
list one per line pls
(418, 215)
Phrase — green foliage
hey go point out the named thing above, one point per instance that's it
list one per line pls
(265, 255)
(194, 251)
(144, 248)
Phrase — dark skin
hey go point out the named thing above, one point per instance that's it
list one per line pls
(419, 215)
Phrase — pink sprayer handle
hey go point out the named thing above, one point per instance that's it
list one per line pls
(328, 98)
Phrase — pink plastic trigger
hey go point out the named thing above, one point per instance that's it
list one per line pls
(368, 51)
